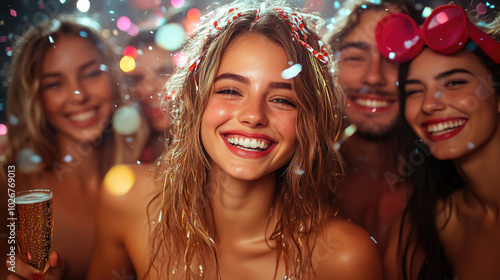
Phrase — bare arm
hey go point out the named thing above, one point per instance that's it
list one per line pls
(110, 257)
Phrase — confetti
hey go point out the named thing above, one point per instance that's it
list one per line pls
(13, 13)
(291, 72)
(68, 158)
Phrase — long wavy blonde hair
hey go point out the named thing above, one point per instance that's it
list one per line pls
(305, 188)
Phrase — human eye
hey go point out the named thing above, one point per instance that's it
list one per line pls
(285, 101)
(412, 90)
(351, 56)
(92, 73)
(455, 83)
(228, 91)
(134, 79)
(50, 85)
(164, 71)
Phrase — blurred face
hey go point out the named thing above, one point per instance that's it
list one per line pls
(77, 95)
(451, 103)
(248, 127)
(368, 79)
(152, 71)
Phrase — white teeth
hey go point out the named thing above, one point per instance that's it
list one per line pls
(371, 103)
(83, 116)
(253, 144)
(249, 143)
(442, 127)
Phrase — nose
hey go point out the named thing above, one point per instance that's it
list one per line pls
(432, 102)
(374, 76)
(253, 113)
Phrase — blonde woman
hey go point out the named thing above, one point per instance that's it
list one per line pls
(247, 189)
(63, 91)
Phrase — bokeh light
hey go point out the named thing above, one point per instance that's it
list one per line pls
(126, 120)
(3, 129)
(192, 21)
(123, 23)
(83, 5)
(119, 180)
(133, 30)
(177, 3)
(28, 161)
(350, 130)
(481, 9)
(127, 64)
(427, 11)
(170, 36)
(130, 51)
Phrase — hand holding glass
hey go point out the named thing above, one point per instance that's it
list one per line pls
(34, 226)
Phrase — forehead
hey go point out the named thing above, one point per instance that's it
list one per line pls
(364, 30)
(68, 51)
(428, 64)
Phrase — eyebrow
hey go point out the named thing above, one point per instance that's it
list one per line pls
(356, 45)
(246, 81)
(442, 75)
(85, 65)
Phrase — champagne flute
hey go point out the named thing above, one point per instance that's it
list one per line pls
(34, 226)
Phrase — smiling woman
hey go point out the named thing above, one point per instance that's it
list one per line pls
(451, 99)
(63, 91)
(247, 187)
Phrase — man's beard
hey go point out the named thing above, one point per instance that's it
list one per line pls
(382, 134)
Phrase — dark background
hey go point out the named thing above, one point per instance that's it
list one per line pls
(141, 13)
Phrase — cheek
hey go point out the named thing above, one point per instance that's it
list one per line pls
(217, 111)
(348, 76)
(52, 103)
(287, 126)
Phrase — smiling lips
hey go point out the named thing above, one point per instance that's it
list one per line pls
(442, 129)
(84, 119)
(372, 104)
(249, 147)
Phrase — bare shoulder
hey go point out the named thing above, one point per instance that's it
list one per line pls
(342, 249)
(122, 230)
(126, 193)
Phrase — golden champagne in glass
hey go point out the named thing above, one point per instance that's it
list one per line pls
(34, 226)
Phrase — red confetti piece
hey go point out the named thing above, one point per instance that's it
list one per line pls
(13, 13)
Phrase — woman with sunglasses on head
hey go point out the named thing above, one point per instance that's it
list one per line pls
(63, 91)
(248, 186)
(450, 92)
